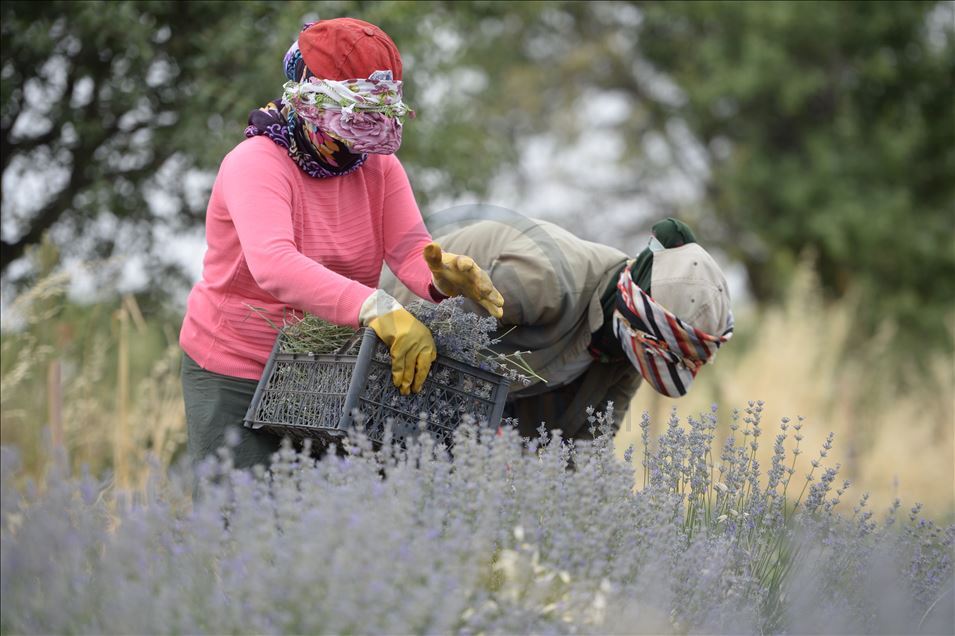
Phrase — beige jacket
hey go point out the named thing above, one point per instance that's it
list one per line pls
(552, 282)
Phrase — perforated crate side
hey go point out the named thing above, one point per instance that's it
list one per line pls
(452, 391)
(302, 394)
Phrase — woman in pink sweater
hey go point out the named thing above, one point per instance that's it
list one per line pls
(302, 216)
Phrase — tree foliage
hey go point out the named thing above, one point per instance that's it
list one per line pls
(828, 127)
(103, 102)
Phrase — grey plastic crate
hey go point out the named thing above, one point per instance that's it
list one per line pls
(304, 395)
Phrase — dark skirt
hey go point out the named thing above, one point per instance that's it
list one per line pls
(216, 403)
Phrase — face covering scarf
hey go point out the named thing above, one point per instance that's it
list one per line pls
(667, 351)
(365, 115)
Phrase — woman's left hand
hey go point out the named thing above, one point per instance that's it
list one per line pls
(456, 275)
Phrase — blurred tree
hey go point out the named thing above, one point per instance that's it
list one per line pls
(828, 126)
(113, 111)
(103, 102)
(820, 128)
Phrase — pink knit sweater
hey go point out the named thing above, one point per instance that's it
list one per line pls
(281, 242)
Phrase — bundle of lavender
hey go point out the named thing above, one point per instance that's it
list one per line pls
(458, 334)
(313, 335)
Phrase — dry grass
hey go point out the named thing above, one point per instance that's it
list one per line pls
(117, 406)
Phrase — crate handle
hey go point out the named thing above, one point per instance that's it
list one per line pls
(249, 420)
(350, 343)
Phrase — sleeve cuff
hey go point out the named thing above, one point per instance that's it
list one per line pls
(377, 304)
(436, 294)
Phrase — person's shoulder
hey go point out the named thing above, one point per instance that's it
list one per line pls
(261, 151)
(382, 166)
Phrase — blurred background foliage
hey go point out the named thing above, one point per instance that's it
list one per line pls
(807, 126)
(801, 139)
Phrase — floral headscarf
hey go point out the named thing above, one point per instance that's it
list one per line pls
(328, 126)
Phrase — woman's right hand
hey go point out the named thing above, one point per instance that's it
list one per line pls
(411, 345)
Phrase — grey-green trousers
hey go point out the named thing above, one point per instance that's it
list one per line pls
(214, 403)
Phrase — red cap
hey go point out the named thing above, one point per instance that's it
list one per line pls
(346, 48)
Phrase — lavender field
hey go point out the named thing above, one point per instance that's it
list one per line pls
(678, 537)
(809, 146)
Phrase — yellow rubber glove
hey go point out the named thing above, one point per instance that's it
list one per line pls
(456, 275)
(411, 345)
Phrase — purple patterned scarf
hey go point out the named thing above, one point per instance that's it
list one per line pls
(316, 153)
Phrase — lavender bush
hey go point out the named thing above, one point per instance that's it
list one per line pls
(469, 337)
(679, 537)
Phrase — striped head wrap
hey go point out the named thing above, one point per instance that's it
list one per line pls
(667, 351)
